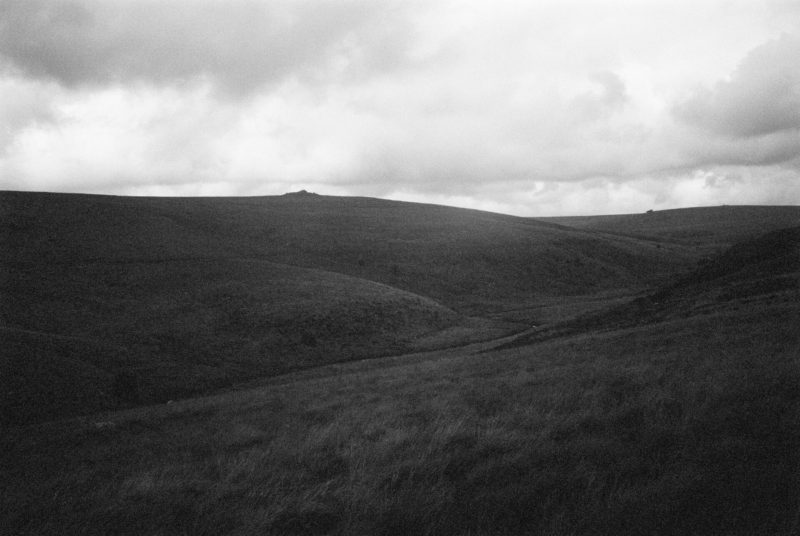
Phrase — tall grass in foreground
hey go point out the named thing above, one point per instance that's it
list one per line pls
(688, 427)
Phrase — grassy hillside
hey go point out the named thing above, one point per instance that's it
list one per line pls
(757, 274)
(682, 427)
(172, 328)
(468, 260)
(705, 227)
(188, 295)
(46, 376)
(677, 413)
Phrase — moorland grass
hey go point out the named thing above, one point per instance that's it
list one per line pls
(677, 414)
(682, 427)
(189, 295)
(107, 336)
(706, 228)
(465, 259)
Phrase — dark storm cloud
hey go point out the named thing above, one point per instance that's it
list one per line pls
(761, 97)
(240, 46)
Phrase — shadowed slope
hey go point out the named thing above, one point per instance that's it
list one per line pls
(473, 261)
(197, 293)
(44, 376)
(173, 328)
(192, 294)
(758, 274)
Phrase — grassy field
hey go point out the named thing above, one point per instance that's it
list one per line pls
(684, 427)
(672, 409)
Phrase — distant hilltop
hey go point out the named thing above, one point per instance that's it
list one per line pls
(301, 193)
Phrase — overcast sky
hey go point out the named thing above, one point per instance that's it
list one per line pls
(533, 108)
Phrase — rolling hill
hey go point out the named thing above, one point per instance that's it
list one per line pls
(169, 297)
(173, 328)
(760, 274)
(469, 260)
(111, 301)
(667, 404)
(674, 419)
(711, 228)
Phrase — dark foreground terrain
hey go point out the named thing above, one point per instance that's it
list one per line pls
(659, 392)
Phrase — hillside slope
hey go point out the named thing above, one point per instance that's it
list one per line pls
(761, 274)
(675, 414)
(687, 427)
(173, 328)
(469, 260)
(187, 295)
(712, 228)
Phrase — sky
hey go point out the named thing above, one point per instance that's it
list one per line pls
(532, 108)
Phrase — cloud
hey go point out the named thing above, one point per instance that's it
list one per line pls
(24, 104)
(240, 46)
(775, 148)
(607, 96)
(761, 97)
(531, 108)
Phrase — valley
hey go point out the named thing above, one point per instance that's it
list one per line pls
(305, 364)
